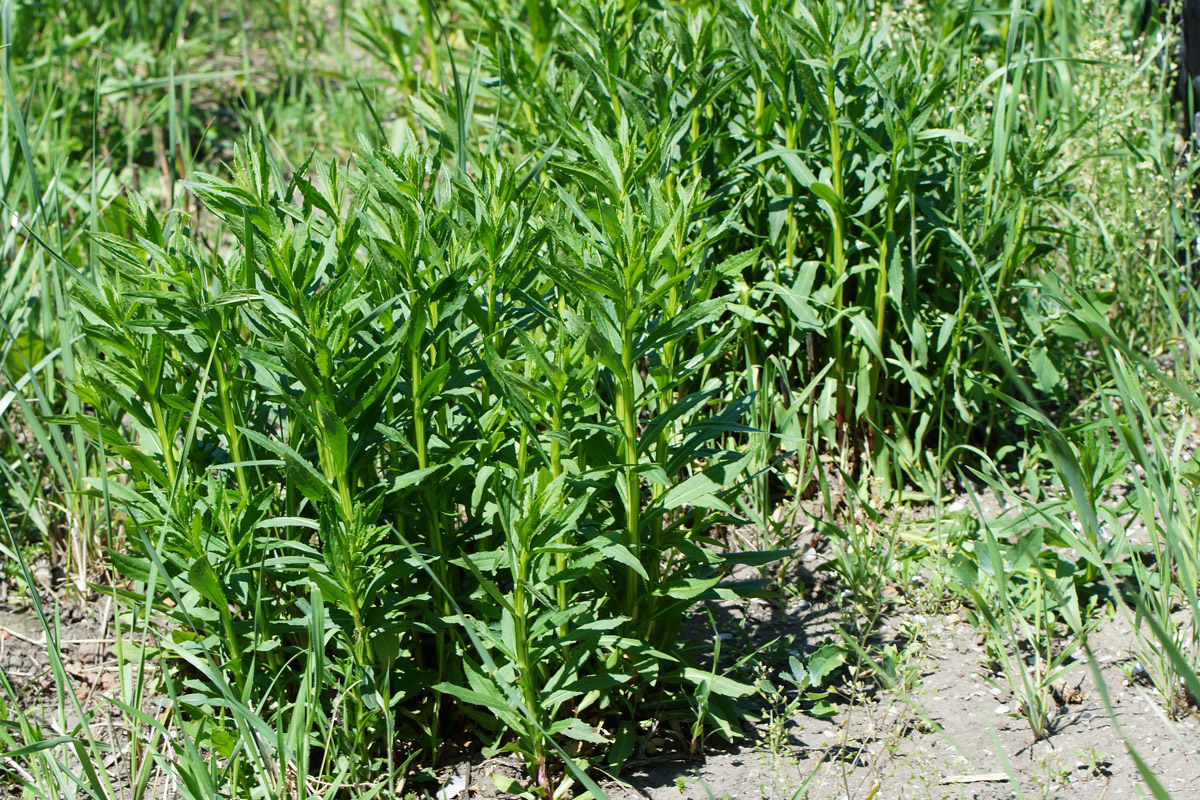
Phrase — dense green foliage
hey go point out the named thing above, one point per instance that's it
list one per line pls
(415, 395)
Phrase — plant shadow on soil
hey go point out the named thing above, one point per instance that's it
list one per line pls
(953, 736)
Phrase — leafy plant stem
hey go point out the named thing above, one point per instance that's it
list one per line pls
(838, 257)
(231, 431)
(627, 413)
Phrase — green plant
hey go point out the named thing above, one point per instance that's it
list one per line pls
(1008, 625)
(809, 684)
(427, 411)
(278, 419)
(1147, 580)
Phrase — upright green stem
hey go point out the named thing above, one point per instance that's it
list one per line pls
(627, 413)
(838, 256)
(231, 432)
(418, 411)
(166, 442)
(528, 676)
(793, 229)
(420, 440)
(556, 469)
(878, 452)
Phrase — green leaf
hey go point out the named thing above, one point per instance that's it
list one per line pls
(720, 684)
(607, 544)
(823, 709)
(682, 409)
(204, 580)
(824, 662)
(416, 477)
(577, 729)
(756, 558)
(38, 747)
(329, 588)
(507, 785)
(1042, 363)
(701, 489)
(953, 136)
(687, 588)
(310, 481)
(128, 566)
(623, 744)
(336, 438)
(223, 741)
(489, 698)
(300, 366)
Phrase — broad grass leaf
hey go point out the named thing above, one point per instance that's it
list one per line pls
(701, 489)
(593, 683)
(577, 729)
(416, 477)
(590, 630)
(866, 333)
(487, 698)
(756, 558)
(624, 743)
(684, 408)
(687, 588)
(804, 316)
(329, 587)
(825, 193)
(948, 135)
(720, 684)
(791, 159)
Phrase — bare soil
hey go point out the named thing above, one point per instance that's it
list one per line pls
(953, 735)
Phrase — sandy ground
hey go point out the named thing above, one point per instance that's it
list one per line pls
(954, 735)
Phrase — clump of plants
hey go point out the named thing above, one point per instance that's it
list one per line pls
(397, 429)
(433, 439)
